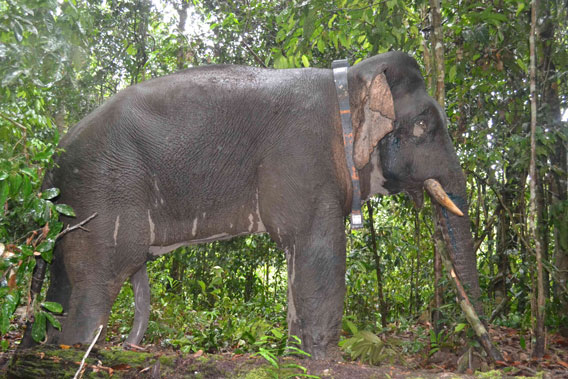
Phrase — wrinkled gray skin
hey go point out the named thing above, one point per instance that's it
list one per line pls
(219, 151)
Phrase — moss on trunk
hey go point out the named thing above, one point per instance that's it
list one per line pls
(53, 361)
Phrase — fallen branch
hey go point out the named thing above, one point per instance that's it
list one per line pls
(78, 226)
(87, 352)
(471, 315)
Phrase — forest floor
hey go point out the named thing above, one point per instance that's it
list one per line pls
(412, 360)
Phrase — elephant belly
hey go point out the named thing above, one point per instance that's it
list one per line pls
(210, 225)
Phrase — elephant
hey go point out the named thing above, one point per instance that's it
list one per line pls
(219, 151)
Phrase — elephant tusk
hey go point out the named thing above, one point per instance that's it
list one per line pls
(436, 190)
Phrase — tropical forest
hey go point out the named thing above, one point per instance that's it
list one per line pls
(469, 280)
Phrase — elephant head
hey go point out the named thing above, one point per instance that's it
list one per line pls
(410, 149)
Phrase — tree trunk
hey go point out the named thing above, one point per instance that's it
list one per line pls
(178, 267)
(418, 252)
(436, 39)
(551, 117)
(438, 297)
(182, 13)
(539, 310)
(504, 244)
(377, 258)
(141, 23)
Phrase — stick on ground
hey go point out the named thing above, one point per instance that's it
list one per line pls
(88, 351)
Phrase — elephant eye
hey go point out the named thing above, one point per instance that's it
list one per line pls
(419, 128)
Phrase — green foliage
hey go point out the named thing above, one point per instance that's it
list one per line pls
(371, 349)
(272, 347)
(59, 60)
(29, 222)
(37, 50)
(205, 310)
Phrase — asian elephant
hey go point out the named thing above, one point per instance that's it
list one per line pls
(214, 152)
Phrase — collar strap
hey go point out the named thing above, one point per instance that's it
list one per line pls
(340, 78)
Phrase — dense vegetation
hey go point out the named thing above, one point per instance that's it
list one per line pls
(61, 59)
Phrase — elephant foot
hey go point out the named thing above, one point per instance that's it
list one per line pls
(326, 353)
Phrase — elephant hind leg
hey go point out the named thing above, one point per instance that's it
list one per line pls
(92, 267)
(141, 288)
(90, 307)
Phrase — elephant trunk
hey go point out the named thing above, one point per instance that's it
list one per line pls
(456, 233)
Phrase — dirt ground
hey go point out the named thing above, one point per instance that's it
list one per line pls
(157, 362)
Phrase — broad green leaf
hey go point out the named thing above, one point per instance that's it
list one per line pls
(50, 193)
(202, 285)
(5, 320)
(296, 350)
(321, 45)
(344, 41)
(459, 327)
(269, 357)
(4, 192)
(522, 65)
(53, 321)
(305, 61)
(452, 73)
(32, 173)
(46, 245)
(39, 327)
(330, 22)
(131, 50)
(52, 306)
(277, 333)
(371, 337)
(55, 228)
(520, 8)
(44, 155)
(296, 339)
(11, 301)
(15, 183)
(65, 209)
(281, 62)
(26, 251)
(351, 326)
(26, 188)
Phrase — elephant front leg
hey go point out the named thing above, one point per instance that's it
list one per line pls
(316, 285)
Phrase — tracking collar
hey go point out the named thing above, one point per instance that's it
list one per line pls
(340, 78)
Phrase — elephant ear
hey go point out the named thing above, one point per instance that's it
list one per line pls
(373, 117)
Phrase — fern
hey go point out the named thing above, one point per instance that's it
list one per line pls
(369, 348)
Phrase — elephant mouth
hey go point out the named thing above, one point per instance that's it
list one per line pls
(438, 193)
